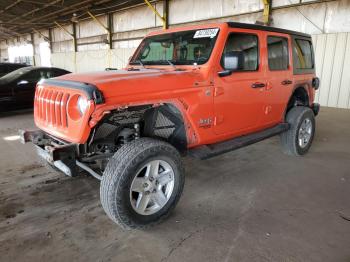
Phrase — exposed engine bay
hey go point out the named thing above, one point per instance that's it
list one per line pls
(123, 126)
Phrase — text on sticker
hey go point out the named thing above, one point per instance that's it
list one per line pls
(206, 33)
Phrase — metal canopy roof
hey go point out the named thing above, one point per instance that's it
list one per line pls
(18, 17)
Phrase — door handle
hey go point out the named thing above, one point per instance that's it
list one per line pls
(287, 82)
(258, 85)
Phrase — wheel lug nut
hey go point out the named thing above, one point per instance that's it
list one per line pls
(145, 185)
(147, 193)
(154, 190)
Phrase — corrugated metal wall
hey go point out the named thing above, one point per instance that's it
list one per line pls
(332, 53)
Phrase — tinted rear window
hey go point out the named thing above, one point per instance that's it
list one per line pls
(304, 54)
(278, 53)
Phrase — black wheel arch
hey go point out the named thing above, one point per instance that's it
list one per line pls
(165, 122)
(299, 97)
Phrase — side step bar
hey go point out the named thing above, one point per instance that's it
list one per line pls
(208, 151)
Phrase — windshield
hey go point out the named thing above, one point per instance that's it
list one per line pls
(180, 48)
(15, 74)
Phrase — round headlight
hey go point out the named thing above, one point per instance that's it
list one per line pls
(82, 104)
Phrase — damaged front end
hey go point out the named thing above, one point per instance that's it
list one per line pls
(114, 130)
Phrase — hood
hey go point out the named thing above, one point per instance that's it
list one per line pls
(126, 82)
(98, 78)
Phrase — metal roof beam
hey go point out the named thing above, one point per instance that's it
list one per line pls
(60, 12)
(35, 10)
(10, 6)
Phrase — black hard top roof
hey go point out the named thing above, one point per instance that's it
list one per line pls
(266, 28)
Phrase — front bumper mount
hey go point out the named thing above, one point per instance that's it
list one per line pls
(57, 153)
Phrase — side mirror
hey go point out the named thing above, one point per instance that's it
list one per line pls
(231, 61)
(225, 73)
(22, 82)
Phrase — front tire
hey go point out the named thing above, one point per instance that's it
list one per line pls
(298, 139)
(142, 183)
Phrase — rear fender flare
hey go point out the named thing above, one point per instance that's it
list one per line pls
(304, 89)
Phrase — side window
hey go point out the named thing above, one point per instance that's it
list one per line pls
(36, 75)
(56, 73)
(304, 54)
(47, 74)
(241, 52)
(277, 48)
(32, 76)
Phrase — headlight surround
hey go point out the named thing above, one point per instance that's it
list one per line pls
(83, 104)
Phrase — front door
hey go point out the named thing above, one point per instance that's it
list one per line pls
(238, 97)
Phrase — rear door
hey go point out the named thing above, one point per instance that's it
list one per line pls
(279, 76)
(238, 98)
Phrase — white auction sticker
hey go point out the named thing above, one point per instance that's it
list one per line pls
(206, 33)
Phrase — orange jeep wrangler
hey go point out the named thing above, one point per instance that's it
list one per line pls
(198, 90)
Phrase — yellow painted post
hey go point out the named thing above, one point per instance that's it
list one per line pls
(266, 12)
(157, 14)
(166, 14)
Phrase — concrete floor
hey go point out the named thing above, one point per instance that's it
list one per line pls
(254, 204)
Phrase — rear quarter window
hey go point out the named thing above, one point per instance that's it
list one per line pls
(303, 56)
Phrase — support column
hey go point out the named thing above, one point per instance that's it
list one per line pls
(74, 38)
(166, 14)
(50, 40)
(267, 12)
(33, 45)
(108, 29)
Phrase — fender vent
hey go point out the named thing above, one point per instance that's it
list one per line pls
(163, 126)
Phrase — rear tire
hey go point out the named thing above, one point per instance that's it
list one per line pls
(142, 183)
(298, 139)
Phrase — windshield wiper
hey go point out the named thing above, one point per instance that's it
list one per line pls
(170, 63)
(140, 62)
(131, 68)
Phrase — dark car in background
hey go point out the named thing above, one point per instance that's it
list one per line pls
(6, 68)
(17, 88)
